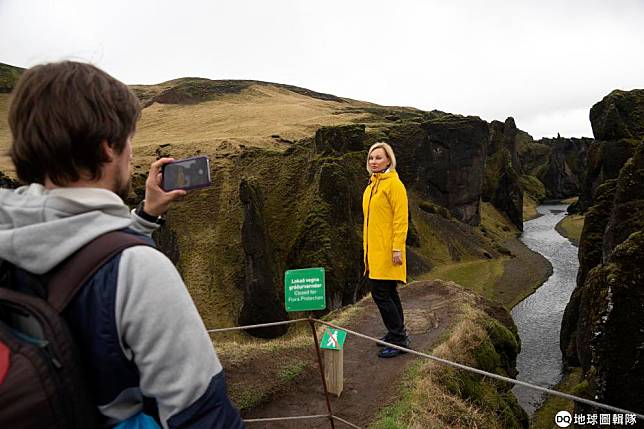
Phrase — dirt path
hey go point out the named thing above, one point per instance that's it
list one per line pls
(368, 380)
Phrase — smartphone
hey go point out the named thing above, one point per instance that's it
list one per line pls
(189, 173)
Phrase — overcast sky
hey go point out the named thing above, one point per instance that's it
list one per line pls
(543, 62)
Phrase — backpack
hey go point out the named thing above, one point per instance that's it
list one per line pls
(41, 375)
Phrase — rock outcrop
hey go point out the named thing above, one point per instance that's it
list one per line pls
(502, 172)
(444, 159)
(262, 303)
(328, 237)
(566, 166)
(338, 140)
(602, 325)
(558, 163)
(617, 126)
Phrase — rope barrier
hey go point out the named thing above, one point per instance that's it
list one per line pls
(345, 422)
(261, 325)
(436, 359)
(276, 419)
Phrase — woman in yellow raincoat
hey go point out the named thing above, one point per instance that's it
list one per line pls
(384, 205)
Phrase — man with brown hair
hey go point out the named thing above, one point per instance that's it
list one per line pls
(138, 330)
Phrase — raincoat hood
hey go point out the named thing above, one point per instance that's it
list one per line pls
(39, 228)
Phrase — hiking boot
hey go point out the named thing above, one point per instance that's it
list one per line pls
(406, 343)
(389, 352)
(387, 339)
(383, 338)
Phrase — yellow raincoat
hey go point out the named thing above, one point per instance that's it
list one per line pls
(384, 205)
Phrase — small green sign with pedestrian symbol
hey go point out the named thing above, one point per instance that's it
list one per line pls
(304, 289)
(333, 339)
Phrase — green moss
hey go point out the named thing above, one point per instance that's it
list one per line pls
(249, 399)
(620, 114)
(581, 389)
(291, 371)
(533, 186)
(506, 343)
(545, 415)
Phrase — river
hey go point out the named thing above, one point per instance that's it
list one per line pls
(538, 317)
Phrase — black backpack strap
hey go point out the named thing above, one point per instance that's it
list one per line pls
(69, 276)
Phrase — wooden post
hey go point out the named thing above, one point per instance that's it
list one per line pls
(334, 370)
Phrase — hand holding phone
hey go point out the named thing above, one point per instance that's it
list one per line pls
(156, 200)
(189, 173)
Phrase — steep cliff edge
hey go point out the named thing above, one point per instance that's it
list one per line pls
(617, 125)
(443, 159)
(559, 164)
(601, 329)
(565, 168)
(502, 185)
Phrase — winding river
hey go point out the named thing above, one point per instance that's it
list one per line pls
(538, 317)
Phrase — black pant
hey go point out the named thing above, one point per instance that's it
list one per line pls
(385, 295)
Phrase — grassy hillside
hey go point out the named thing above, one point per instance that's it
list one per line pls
(263, 116)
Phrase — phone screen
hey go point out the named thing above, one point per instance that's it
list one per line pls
(187, 173)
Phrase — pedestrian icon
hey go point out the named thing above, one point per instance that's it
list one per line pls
(333, 339)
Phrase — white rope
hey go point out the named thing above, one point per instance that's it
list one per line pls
(346, 422)
(261, 325)
(276, 419)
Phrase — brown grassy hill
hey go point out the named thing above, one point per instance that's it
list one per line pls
(221, 118)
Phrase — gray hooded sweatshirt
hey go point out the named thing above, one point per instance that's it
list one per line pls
(159, 328)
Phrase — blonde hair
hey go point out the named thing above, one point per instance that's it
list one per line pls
(388, 150)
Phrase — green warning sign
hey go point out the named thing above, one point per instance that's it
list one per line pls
(304, 289)
(333, 339)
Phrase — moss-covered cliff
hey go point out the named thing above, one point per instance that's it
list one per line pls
(559, 164)
(564, 171)
(617, 124)
(502, 184)
(602, 325)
